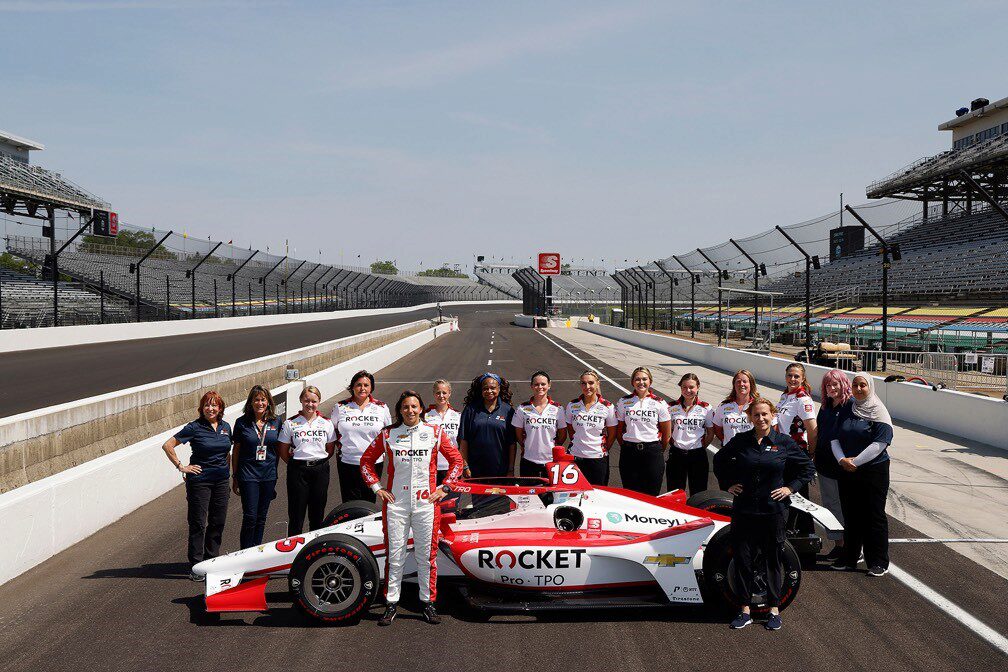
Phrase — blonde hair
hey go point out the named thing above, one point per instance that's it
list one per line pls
(310, 388)
(760, 401)
(598, 379)
(645, 370)
(753, 392)
(441, 381)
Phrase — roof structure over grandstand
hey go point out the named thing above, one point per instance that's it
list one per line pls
(25, 187)
(980, 148)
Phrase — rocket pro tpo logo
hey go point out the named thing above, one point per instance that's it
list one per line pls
(549, 263)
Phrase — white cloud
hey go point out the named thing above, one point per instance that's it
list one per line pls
(441, 65)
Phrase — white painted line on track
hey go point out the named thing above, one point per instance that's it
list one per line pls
(571, 354)
(491, 351)
(928, 540)
(489, 362)
(981, 629)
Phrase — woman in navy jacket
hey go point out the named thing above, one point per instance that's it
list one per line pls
(764, 467)
(861, 439)
(254, 462)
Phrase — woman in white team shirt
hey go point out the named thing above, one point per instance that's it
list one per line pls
(691, 434)
(442, 413)
(305, 443)
(645, 426)
(358, 421)
(591, 424)
(539, 426)
(730, 417)
(796, 417)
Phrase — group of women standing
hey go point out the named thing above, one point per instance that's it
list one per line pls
(768, 452)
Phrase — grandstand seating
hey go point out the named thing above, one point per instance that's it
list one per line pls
(163, 283)
(27, 302)
(957, 257)
(36, 180)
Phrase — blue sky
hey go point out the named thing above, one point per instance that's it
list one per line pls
(434, 131)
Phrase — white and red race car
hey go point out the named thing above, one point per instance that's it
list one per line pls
(515, 544)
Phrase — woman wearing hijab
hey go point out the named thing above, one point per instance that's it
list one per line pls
(862, 435)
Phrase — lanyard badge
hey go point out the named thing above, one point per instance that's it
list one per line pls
(260, 454)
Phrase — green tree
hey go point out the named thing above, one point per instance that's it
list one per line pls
(443, 272)
(8, 260)
(384, 268)
(129, 241)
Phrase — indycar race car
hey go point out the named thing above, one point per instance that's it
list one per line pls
(517, 544)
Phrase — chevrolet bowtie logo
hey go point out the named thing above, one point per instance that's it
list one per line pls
(666, 560)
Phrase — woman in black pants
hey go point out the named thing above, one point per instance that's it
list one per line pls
(861, 438)
(692, 432)
(644, 429)
(358, 421)
(206, 476)
(254, 462)
(306, 442)
(764, 468)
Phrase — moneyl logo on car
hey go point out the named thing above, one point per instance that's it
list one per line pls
(616, 517)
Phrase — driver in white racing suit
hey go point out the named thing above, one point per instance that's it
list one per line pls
(410, 497)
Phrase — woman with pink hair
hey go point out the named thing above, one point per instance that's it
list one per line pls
(836, 394)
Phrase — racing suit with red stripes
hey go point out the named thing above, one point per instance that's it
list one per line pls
(411, 476)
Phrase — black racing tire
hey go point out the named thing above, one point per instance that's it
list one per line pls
(719, 581)
(334, 579)
(715, 501)
(352, 510)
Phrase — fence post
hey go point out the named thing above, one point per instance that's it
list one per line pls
(101, 293)
(216, 312)
(167, 304)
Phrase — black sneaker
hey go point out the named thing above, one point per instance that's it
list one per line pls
(843, 564)
(878, 570)
(430, 614)
(741, 621)
(389, 615)
(193, 576)
(773, 622)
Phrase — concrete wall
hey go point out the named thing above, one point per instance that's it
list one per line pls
(968, 416)
(16, 340)
(47, 516)
(43, 442)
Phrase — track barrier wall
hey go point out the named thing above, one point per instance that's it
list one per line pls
(42, 518)
(17, 340)
(942, 410)
(39, 443)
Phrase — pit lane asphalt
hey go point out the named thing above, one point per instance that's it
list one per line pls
(119, 600)
(55, 375)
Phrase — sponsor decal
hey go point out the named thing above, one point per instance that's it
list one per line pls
(594, 523)
(616, 517)
(534, 580)
(667, 560)
(289, 544)
(551, 558)
(224, 583)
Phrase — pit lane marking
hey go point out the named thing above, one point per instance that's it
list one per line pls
(965, 540)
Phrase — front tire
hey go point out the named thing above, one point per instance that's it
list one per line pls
(719, 577)
(352, 510)
(714, 501)
(334, 579)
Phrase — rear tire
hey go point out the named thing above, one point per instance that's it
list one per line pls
(719, 580)
(334, 579)
(714, 501)
(352, 510)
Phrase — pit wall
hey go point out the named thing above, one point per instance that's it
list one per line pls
(967, 416)
(43, 518)
(43, 442)
(18, 340)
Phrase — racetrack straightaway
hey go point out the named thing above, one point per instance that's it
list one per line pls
(120, 601)
(52, 376)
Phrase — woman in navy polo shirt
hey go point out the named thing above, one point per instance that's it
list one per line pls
(486, 437)
(254, 462)
(206, 476)
(861, 437)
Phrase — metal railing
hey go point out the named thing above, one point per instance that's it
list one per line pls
(976, 372)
